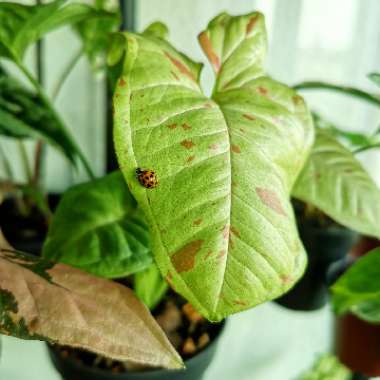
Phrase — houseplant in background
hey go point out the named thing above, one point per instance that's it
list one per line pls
(334, 199)
(28, 113)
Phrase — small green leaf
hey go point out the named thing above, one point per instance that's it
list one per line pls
(222, 225)
(22, 25)
(98, 228)
(60, 304)
(149, 286)
(334, 181)
(24, 115)
(358, 290)
(157, 29)
(375, 78)
(327, 367)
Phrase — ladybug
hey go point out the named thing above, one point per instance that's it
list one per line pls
(147, 178)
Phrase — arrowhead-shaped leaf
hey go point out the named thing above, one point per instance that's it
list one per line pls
(57, 303)
(334, 181)
(222, 225)
(98, 228)
(23, 25)
(358, 290)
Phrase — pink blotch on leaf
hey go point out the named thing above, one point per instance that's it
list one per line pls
(180, 66)
(207, 47)
(251, 23)
(262, 90)
(184, 259)
(270, 199)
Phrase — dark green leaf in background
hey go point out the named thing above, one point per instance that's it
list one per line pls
(98, 228)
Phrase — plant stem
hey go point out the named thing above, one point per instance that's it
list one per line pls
(25, 161)
(49, 105)
(65, 73)
(350, 91)
(7, 166)
(364, 148)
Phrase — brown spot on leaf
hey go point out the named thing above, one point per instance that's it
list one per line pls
(209, 253)
(317, 175)
(188, 144)
(235, 231)
(213, 146)
(184, 259)
(206, 45)
(172, 126)
(249, 117)
(190, 158)
(239, 302)
(122, 82)
(235, 149)
(221, 254)
(251, 23)
(117, 95)
(197, 222)
(180, 66)
(242, 130)
(207, 105)
(270, 199)
(262, 90)
(231, 243)
(286, 279)
(185, 126)
(297, 100)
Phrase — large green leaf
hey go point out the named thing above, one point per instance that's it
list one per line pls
(358, 290)
(98, 228)
(222, 225)
(24, 115)
(54, 302)
(21, 25)
(334, 181)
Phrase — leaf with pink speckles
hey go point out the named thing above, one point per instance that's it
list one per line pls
(226, 165)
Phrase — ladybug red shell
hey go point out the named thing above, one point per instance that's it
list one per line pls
(147, 178)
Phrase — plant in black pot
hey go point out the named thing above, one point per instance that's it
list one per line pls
(202, 202)
(210, 181)
(206, 177)
(27, 112)
(335, 200)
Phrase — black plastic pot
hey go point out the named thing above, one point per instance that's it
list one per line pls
(323, 246)
(25, 234)
(195, 367)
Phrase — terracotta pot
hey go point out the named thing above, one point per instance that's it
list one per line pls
(358, 342)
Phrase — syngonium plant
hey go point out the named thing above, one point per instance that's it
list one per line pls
(221, 225)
